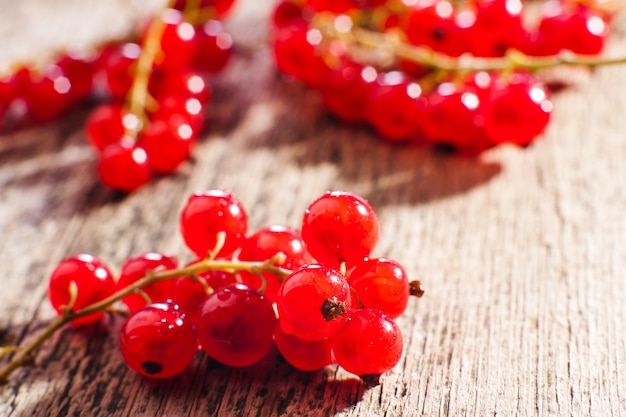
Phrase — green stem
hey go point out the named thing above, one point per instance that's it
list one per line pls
(138, 96)
(393, 44)
(24, 355)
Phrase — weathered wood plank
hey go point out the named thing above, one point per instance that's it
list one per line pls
(521, 251)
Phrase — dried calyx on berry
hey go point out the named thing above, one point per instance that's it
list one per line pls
(447, 73)
(304, 299)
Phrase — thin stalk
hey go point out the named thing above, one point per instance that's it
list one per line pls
(393, 44)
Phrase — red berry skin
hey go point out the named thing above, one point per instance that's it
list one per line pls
(118, 65)
(177, 42)
(176, 106)
(8, 89)
(220, 8)
(287, 13)
(190, 294)
(79, 69)
(432, 24)
(296, 55)
(187, 83)
(136, 268)
(236, 325)
(306, 355)
(517, 111)
(381, 283)
(106, 125)
(497, 28)
(48, 94)
(266, 243)
(214, 47)
(547, 39)
(167, 144)
(340, 227)
(370, 343)
(94, 282)
(304, 299)
(333, 6)
(396, 107)
(585, 33)
(124, 167)
(348, 91)
(158, 341)
(205, 215)
(453, 116)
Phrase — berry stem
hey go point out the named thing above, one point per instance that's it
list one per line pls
(138, 95)
(392, 44)
(24, 355)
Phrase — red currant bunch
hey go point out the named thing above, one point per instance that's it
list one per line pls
(317, 295)
(153, 92)
(164, 81)
(458, 74)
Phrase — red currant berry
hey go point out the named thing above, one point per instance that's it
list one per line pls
(340, 227)
(158, 341)
(266, 243)
(235, 326)
(48, 94)
(8, 89)
(547, 39)
(138, 267)
(369, 345)
(497, 27)
(313, 302)
(205, 215)
(517, 110)
(94, 282)
(79, 69)
(190, 294)
(396, 107)
(381, 283)
(287, 13)
(333, 6)
(175, 106)
(453, 116)
(348, 91)
(214, 47)
(107, 124)
(306, 355)
(167, 144)
(219, 8)
(187, 83)
(586, 32)
(118, 67)
(432, 24)
(124, 167)
(296, 55)
(177, 42)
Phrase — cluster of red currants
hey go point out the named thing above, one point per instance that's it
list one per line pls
(455, 74)
(155, 91)
(316, 294)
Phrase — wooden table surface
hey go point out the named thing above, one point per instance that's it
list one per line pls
(522, 252)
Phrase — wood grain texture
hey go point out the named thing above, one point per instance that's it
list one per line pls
(522, 252)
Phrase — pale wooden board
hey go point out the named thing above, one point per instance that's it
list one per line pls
(522, 252)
